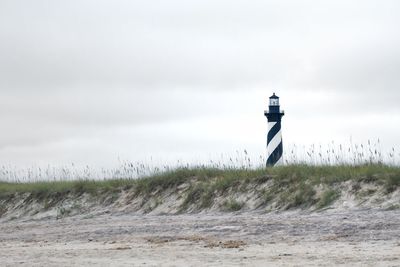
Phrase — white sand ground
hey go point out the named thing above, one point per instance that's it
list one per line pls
(348, 238)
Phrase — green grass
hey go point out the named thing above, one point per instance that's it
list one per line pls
(327, 198)
(302, 195)
(200, 195)
(233, 205)
(291, 186)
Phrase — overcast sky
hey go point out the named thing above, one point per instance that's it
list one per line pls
(90, 81)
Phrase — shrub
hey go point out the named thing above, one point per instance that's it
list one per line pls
(327, 198)
(233, 205)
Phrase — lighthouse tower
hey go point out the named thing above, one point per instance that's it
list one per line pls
(274, 140)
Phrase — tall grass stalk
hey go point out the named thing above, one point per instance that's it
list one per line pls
(331, 154)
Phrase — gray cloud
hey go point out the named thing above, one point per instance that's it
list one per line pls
(218, 45)
(85, 69)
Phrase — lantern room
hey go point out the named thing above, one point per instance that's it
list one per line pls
(274, 107)
(274, 100)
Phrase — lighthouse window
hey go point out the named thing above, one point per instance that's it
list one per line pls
(274, 102)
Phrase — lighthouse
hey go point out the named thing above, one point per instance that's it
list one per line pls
(274, 139)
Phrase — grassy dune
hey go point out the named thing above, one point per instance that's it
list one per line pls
(285, 187)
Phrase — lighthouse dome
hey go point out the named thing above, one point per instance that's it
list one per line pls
(274, 96)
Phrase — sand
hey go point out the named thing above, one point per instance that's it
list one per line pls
(330, 238)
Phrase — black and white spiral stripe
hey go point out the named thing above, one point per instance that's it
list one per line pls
(274, 143)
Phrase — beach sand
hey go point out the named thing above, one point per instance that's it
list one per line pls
(348, 238)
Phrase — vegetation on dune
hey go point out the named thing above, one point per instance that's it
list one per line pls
(291, 186)
(233, 205)
(330, 154)
(327, 198)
